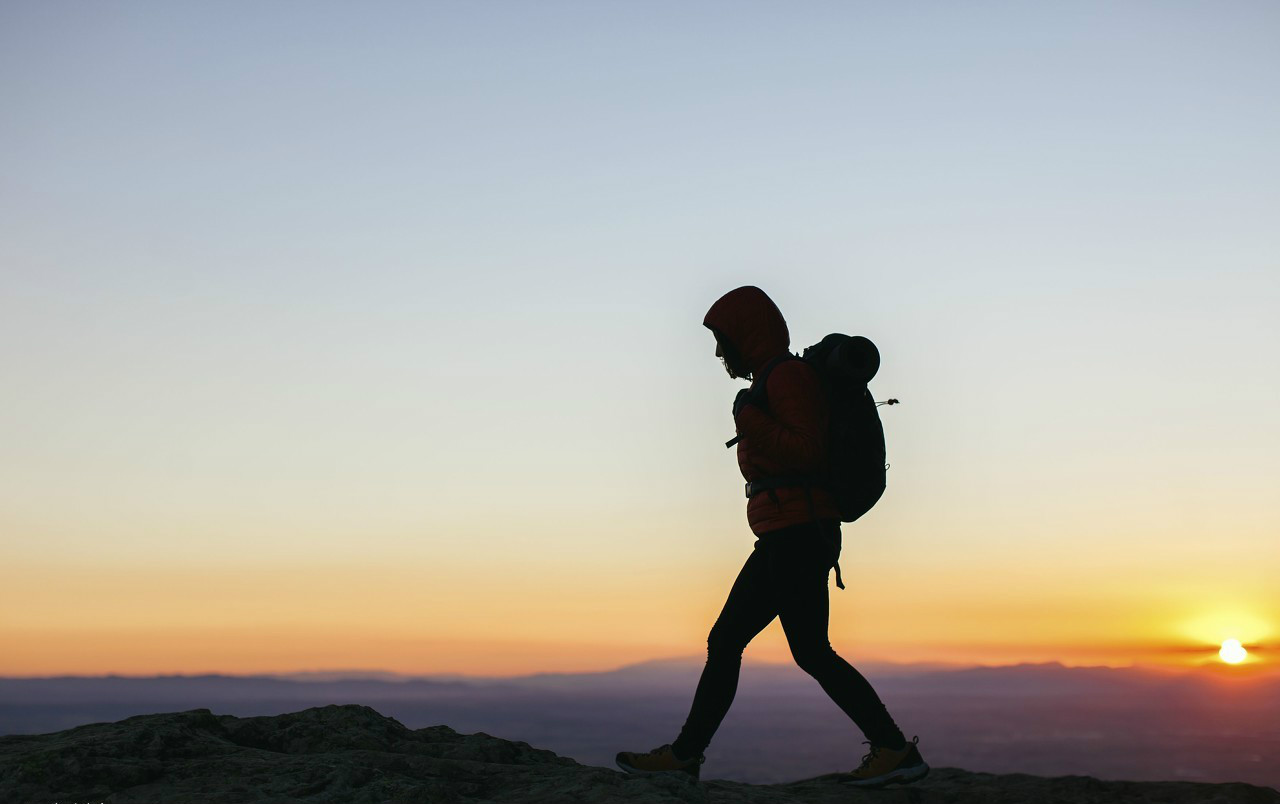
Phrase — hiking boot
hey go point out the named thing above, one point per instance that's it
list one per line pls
(660, 760)
(882, 766)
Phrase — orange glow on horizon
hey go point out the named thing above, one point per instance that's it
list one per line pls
(249, 650)
(420, 619)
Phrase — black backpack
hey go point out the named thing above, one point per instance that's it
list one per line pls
(855, 448)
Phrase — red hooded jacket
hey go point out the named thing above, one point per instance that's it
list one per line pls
(790, 438)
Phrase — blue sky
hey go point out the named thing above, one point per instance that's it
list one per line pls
(424, 281)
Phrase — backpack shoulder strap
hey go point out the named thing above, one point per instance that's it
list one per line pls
(759, 395)
(761, 392)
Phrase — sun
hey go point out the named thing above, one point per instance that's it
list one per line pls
(1232, 651)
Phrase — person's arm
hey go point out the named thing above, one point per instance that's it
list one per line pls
(791, 430)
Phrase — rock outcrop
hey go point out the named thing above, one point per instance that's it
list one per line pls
(352, 754)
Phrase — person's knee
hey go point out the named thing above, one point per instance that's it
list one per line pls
(813, 658)
(723, 643)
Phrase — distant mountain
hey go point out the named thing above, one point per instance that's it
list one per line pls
(678, 667)
(352, 754)
(1045, 719)
(348, 675)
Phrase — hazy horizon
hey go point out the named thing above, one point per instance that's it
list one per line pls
(1205, 667)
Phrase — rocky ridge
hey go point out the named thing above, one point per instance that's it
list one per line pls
(351, 753)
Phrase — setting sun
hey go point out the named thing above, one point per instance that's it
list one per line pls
(1232, 651)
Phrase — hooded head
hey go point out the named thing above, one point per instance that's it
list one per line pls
(748, 323)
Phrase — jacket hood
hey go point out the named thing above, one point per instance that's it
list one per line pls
(749, 320)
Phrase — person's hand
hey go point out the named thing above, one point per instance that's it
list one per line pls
(743, 397)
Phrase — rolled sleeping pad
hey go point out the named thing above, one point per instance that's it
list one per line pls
(854, 357)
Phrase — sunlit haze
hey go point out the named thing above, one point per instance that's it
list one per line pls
(338, 335)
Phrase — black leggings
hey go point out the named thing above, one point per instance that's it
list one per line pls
(785, 576)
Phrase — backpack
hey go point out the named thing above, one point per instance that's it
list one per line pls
(855, 442)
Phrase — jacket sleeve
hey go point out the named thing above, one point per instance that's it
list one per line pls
(791, 431)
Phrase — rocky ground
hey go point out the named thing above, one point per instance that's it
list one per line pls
(352, 754)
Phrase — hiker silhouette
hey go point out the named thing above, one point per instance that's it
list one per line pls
(798, 541)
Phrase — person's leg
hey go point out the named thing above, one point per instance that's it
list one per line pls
(749, 608)
(800, 576)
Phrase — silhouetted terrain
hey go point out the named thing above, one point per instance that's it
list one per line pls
(352, 754)
(1043, 719)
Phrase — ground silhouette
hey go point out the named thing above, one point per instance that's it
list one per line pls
(351, 753)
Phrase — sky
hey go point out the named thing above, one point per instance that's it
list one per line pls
(369, 335)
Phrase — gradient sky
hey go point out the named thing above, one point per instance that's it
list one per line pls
(369, 335)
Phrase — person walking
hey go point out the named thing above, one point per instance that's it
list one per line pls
(782, 431)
